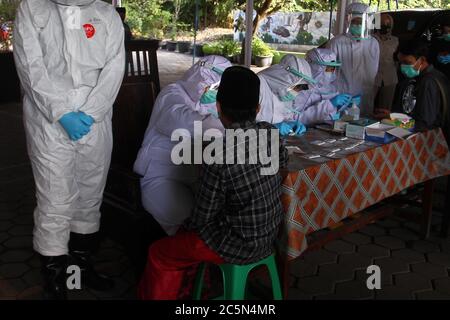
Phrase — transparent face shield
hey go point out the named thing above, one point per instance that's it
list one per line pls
(360, 25)
(210, 66)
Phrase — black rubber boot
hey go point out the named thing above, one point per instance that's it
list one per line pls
(81, 248)
(53, 271)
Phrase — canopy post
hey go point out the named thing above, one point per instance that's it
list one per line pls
(248, 33)
(331, 19)
(340, 17)
(194, 50)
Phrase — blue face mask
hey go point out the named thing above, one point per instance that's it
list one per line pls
(356, 30)
(409, 71)
(209, 97)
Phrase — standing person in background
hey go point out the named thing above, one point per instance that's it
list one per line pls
(123, 14)
(386, 79)
(359, 54)
(440, 50)
(71, 64)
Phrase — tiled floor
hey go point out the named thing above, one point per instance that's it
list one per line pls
(411, 268)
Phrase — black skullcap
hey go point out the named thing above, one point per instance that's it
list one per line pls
(238, 94)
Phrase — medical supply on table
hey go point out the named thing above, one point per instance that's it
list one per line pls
(353, 112)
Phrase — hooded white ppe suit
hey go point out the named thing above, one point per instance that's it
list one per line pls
(275, 83)
(313, 106)
(70, 57)
(168, 189)
(360, 59)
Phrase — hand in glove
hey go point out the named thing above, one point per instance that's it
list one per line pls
(291, 127)
(341, 100)
(76, 124)
(444, 59)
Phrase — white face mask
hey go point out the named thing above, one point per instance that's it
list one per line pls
(330, 77)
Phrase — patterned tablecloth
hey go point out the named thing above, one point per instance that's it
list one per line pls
(347, 178)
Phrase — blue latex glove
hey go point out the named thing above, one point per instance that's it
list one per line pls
(444, 59)
(290, 127)
(357, 100)
(76, 124)
(341, 100)
(335, 116)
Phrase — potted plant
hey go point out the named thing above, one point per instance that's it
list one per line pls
(214, 48)
(184, 46)
(231, 50)
(171, 45)
(198, 50)
(262, 53)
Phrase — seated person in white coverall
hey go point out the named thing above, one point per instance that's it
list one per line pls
(280, 85)
(322, 102)
(70, 58)
(359, 54)
(168, 189)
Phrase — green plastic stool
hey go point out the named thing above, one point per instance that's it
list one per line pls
(235, 279)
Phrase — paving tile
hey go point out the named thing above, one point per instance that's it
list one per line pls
(412, 281)
(6, 216)
(432, 295)
(390, 242)
(31, 293)
(5, 225)
(393, 293)
(424, 246)
(337, 272)
(19, 242)
(355, 260)
(442, 285)
(320, 257)
(373, 230)
(404, 234)
(445, 245)
(33, 277)
(24, 219)
(439, 258)
(296, 294)
(340, 246)
(408, 255)
(21, 230)
(357, 238)
(16, 255)
(351, 290)
(428, 270)
(12, 270)
(373, 251)
(391, 265)
(4, 236)
(388, 223)
(11, 287)
(120, 287)
(301, 268)
(316, 285)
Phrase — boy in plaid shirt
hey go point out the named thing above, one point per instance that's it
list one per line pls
(238, 208)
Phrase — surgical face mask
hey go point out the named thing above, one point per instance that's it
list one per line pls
(356, 29)
(330, 77)
(409, 71)
(209, 97)
(289, 96)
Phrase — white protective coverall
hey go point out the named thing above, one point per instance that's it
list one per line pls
(313, 106)
(307, 106)
(70, 57)
(275, 82)
(360, 59)
(168, 189)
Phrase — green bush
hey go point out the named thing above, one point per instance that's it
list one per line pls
(260, 48)
(304, 37)
(230, 48)
(214, 48)
(321, 41)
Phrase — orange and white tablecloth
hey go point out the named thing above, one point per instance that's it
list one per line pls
(323, 194)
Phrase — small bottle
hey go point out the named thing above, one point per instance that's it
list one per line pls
(354, 112)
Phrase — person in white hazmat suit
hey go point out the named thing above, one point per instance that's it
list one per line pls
(359, 54)
(167, 188)
(321, 102)
(280, 85)
(70, 58)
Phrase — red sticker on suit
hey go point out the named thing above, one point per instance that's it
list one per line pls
(89, 30)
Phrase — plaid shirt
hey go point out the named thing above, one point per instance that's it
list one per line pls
(238, 210)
